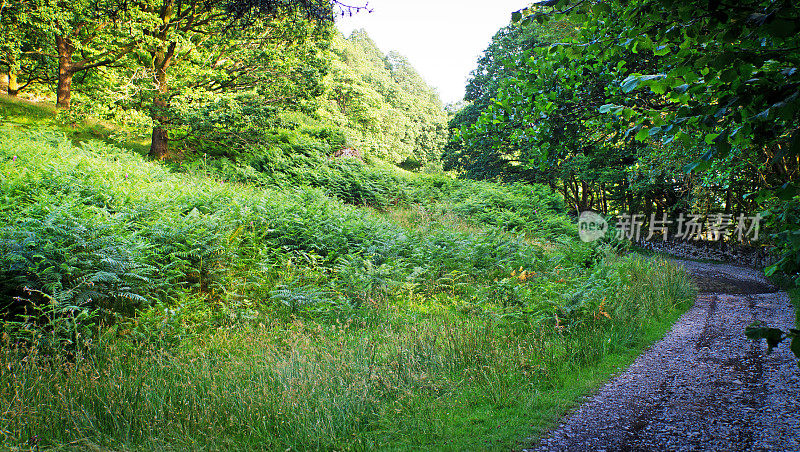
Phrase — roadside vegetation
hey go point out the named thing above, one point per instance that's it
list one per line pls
(155, 309)
(231, 227)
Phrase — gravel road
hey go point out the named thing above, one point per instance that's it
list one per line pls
(704, 386)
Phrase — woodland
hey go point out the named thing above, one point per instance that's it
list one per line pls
(228, 226)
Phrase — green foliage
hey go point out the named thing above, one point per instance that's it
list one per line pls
(785, 221)
(616, 114)
(532, 116)
(141, 233)
(64, 261)
(229, 81)
(303, 157)
(774, 336)
(507, 58)
(332, 385)
(727, 78)
(258, 292)
(383, 104)
(291, 312)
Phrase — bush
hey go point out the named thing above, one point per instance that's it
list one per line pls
(68, 261)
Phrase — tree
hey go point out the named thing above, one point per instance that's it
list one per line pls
(725, 74)
(226, 93)
(534, 117)
(479, 155)
(385, 106)
(99, 33)
(723, 79)
(181, 27)
(155, 34)
(20, 44)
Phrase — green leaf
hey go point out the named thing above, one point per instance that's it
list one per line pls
(699, 166)
(607, 108)
(757, 330)
(723, 148)
(685, 138)
(769, 271)
(787, 191)
(628, 113)
(781, 28)
(658, 87)
(630, 83)
(774, 337)
(796, 345)
(728, 75)
(661, 50)
(731, 35)
(516, 16)
(601, 8)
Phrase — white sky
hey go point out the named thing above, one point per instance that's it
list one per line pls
(441, 38)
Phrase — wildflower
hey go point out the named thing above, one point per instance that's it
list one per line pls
(601, 310)
(14, 159)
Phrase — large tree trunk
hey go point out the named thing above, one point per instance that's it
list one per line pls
(64, 91)
(13, 85)
(159, 145)
(65, 72)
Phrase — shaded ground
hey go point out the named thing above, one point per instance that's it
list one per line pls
(705, 386)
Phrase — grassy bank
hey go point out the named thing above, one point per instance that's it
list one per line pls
(394, 378)
(152, 310)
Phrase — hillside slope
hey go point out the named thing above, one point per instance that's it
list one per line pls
(150, 309)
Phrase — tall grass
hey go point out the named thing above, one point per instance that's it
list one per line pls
(151, 310)
(407, 381)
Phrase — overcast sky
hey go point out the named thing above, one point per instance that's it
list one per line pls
(441, 38)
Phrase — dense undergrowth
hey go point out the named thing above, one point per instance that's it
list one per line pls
(146, 308)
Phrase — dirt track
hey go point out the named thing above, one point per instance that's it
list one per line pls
(704, 386)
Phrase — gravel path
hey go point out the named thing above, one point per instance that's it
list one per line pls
(704, 386)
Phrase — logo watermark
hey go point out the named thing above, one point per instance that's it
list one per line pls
(592, 226)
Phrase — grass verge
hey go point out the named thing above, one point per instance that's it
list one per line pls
(154, 310)
(394, 379)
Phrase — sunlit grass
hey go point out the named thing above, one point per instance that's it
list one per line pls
(406, 382)
(280, 319)
(23, 114)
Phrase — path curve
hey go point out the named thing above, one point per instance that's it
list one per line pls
(704, 386)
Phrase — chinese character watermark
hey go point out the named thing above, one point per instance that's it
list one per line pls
(713, 227)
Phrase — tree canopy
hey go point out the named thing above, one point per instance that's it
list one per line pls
(383, 103)
(649, 106)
